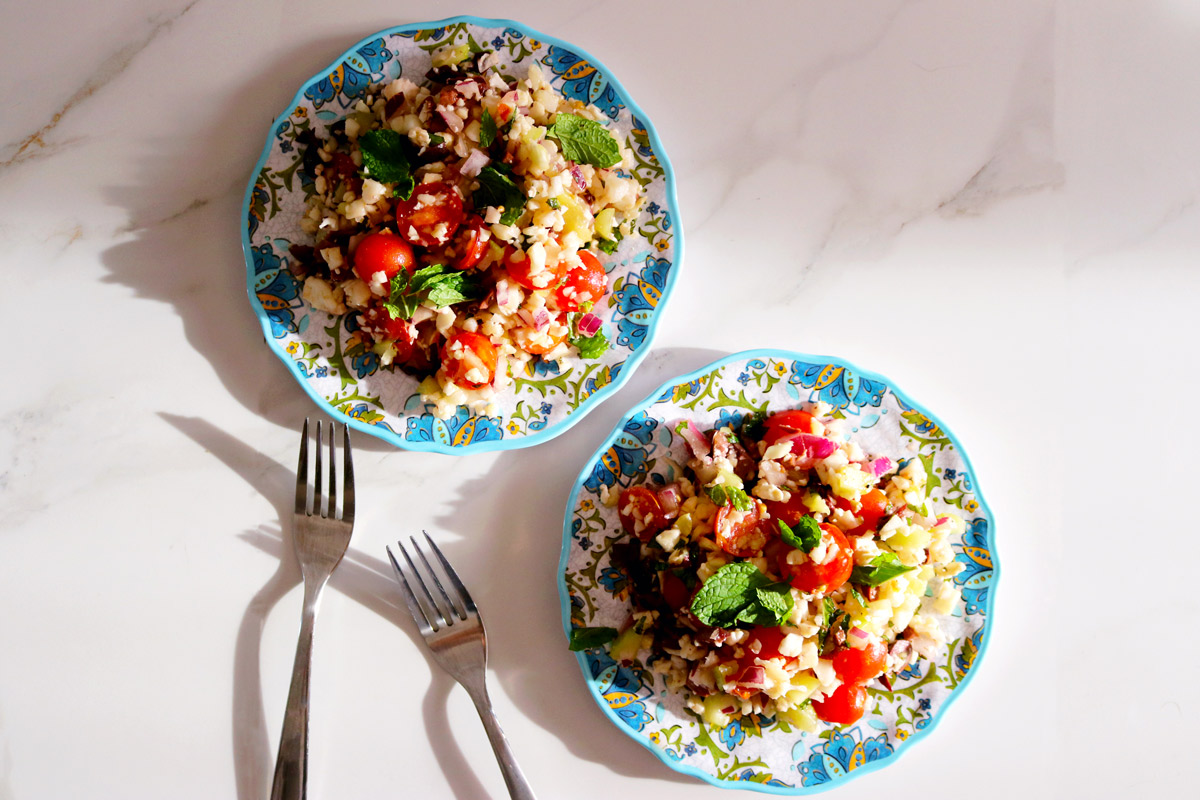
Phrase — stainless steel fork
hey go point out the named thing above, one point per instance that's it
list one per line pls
(321, 537)
(453, 631)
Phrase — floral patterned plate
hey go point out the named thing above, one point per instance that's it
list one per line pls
(329, 355)
(761, 753)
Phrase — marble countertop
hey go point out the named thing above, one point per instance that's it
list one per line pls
(993, 204)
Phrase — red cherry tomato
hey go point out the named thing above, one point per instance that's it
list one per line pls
(860, 666)
(585, 283)
(431, 216)
(641, 514)
(811, 577)
(469, 359)
(790, 510)
(768, 640)
(873, 506)
(384, 252)
(472, 243)
(793, 420)
(381, 325)
(845, 706)
(539, 344)
(737, 532)
(521, 270)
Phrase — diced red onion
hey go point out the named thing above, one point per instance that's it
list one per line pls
(814, 446)
(753, 677)
(588, 324)
(541, 320)
(881, 466)
(509, 99)
(526, 316)
(503, 293)
(857, 638)
(474, 163)
(468, 88)
(453, 121)
(696, 440)
(577, 174)
(668, 498)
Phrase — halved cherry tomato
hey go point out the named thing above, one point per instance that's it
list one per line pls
(472, 243)
(520, 270)
(860, 666)
(641, 514)
(469, 359)
(811, 577)
(793, 420)
(431, 216)
(381, 325)
(584, 283)
(382, 251)
(768, 640)
(873, 506)
(790, 510)
(738, 532)
(539, 344)
(845, 706)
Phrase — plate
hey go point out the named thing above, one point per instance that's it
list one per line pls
(758, 753)
(328, 356)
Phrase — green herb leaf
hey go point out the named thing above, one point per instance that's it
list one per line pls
(587, 638)
(553, 202)
(608, 246)
(858, 596)
(882, 569)
(591, 346)
(498, 190)
(487, 129)
(730, 495)
(806, 536)
(436, 139)
(384, 160)
(437, 284)
(585, 141)
(739, 592)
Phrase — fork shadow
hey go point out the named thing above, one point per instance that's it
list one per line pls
(362, 578)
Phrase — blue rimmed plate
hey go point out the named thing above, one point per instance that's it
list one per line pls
(760, 753)
(330, 357)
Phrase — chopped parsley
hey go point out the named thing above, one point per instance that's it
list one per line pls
(882, 569)
(730, 495)
(487, 129)
(806, 536)
(587, 638)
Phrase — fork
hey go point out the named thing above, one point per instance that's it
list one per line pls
(453, 631)
(321, 538)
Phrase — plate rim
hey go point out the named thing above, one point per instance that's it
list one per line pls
(581, 657)
(628, 367)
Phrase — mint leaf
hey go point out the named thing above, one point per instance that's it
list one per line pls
(384, 160)
(437, 284)
(498, 190)
(882, 569)
(487, 129)
(739, 592)
(806, 536)
(587, 638)
(608, 246)
(585, 141)
(730, 495)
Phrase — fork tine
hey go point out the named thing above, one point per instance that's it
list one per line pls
(302, 473)
(439, 619)
(455, 611)
(318, 508)
(464, 597)
(410, 599)
(347, 476)
(332, 475)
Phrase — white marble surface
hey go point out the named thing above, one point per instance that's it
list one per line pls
(994, 203)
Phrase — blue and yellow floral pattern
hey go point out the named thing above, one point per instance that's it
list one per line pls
(757, 752)
(332, 360)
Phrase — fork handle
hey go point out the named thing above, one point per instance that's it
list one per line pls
(291, 766)
(514, 779)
